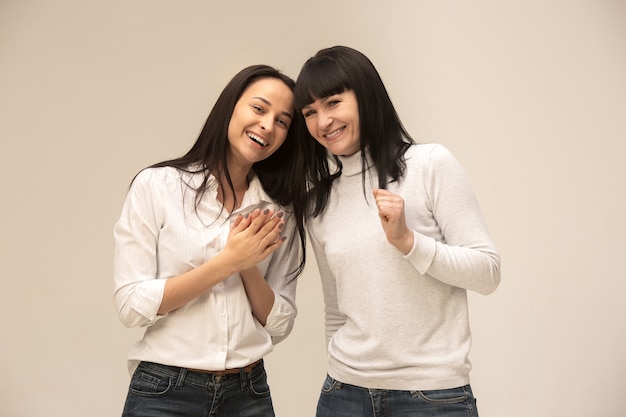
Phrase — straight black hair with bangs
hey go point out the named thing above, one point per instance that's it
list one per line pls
(320, 78)
(333, 71)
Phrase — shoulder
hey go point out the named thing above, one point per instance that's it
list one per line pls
(164, 180)
(153, 177)
(428, 153)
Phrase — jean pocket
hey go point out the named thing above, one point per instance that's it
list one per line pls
(258, 386)
(444, 396)
(329, 384)
(150, 385)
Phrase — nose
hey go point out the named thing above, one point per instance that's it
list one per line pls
(267, 122)
(323, 120)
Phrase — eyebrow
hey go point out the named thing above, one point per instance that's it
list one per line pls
(266, 101)
(325, 99)
(322, 100)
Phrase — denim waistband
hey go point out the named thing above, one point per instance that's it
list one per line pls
(185, 375)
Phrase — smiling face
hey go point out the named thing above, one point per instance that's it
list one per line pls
(334, 122)
(260, 122)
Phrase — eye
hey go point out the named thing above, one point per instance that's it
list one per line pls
(284, 123)
(258, 108)
(332, 103)
(308, 113)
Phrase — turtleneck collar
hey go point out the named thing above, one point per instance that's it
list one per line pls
(352, 164)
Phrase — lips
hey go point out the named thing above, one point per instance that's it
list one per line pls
(256, 138)
(334, 133)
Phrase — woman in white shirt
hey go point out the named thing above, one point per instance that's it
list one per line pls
(207, 251)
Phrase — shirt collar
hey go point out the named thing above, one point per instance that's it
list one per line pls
(253, 196)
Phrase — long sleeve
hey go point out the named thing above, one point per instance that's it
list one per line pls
(464, 256)
(137, 293)
(284, 261)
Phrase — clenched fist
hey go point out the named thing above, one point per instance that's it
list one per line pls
(392, 217)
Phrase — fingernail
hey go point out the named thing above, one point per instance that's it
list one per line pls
(280, 225)
(283, 238)
(266, 211)
(280, 215)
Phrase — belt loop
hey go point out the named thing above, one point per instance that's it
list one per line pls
(181, 377)
(243, 377)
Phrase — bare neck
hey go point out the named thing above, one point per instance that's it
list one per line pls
(232, 201)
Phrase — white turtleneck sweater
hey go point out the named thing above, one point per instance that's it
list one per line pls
(394, 321)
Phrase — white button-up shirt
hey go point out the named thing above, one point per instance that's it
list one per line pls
(159, 235)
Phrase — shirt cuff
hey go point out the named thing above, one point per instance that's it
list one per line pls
(147, 300)
(281, 317)
(422, 253)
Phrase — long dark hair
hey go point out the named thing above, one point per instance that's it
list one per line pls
(333, 71)
(282, 175)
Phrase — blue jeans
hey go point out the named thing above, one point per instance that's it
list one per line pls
(343, 400)
(168, 391)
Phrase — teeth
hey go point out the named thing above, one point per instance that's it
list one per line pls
(334, 133)
(257, 139)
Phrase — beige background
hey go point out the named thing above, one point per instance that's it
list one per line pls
(529, 95)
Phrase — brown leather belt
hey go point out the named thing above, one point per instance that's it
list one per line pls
(246, 369)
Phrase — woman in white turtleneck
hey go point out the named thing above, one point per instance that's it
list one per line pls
(399, 239)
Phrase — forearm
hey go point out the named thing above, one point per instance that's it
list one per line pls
(182, 289)
(474, 267)
(250, 241)
(259, 293)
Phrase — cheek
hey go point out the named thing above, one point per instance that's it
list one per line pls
(280, 139)
(311, 125)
